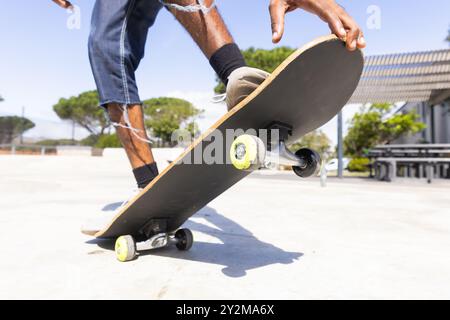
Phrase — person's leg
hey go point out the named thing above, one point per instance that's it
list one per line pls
(212, 36)
(116, 46)
(134, 141)
(208, 30)
(137, 150)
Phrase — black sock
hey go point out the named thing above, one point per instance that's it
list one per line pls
(145, 174)
(227, 59)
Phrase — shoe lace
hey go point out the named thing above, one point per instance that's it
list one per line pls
(218, 98)
(128, 125)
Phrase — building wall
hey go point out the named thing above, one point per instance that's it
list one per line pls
(442, 123)
(437, 116)
(424, 114)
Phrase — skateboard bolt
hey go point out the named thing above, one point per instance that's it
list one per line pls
(240, 151)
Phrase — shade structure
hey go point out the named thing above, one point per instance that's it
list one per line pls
(408, 77)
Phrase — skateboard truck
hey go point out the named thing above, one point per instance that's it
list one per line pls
(159, 240)
(248, 152)
(127, 247)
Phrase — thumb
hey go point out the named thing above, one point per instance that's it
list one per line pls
(277, 12)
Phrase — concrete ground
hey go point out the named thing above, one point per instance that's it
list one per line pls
(272, 236)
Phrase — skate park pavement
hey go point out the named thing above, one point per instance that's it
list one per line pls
(271, 236)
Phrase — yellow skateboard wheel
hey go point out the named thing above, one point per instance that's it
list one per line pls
(125, 248)
(247, 152)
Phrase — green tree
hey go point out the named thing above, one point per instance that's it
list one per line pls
(316, 140)
(193, 128)
(84, 111)
(359, 165)
(12, 127)
(373, 125)
(91, 140)
(267, 60)
(166, 115)
(448, 36)
(108, 141)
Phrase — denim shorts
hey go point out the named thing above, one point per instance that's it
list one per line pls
(116, 46)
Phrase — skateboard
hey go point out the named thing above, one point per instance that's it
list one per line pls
(307, 90)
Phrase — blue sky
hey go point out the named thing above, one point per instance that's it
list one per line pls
(42, 60)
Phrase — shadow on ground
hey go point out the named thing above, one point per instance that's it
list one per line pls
(239, 250)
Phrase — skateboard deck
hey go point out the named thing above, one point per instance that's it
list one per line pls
(307, 90)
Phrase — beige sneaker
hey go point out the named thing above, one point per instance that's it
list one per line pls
(241, 83)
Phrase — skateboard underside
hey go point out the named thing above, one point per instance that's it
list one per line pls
(305, 92)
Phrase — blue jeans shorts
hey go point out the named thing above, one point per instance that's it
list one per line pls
(116, 46)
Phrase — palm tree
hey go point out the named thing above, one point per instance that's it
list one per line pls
(448, 37)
